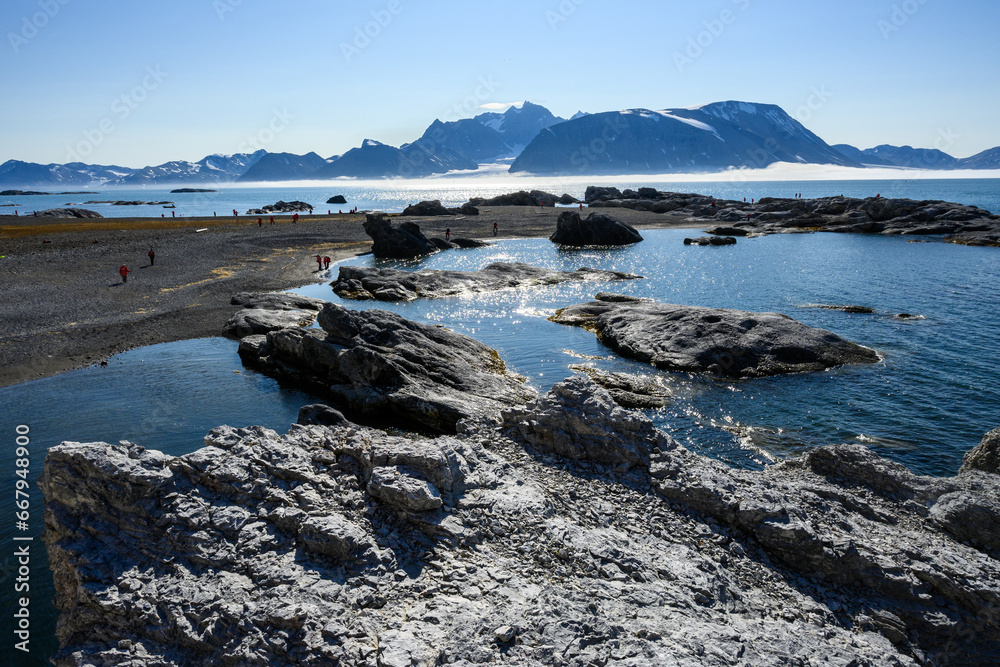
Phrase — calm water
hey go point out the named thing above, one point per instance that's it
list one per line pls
(394, 196)
(925, 405)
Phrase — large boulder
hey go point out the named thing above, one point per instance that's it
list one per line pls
(596, 229)
(337, 199)
(287, 207)
(379, 368)
(986, 455)
(428, 208)
(355, 282)
(402, 241)
(727, 343)
(276, 301)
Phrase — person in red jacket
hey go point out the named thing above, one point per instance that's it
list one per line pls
(319, 260)
(326, 262)
(124, 271)
(295, 217)
(152, 256)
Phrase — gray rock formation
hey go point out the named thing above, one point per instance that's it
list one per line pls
(319, 414)
(67, 213)
(376, 366)
(711, 240)
(596, 229)
(985, 456)
(350, 546)
(727, 343)
(336, 199)
(401, 241)
(355, 282)
(277, 301)
(428, 208)
(962, 224)
(251, 321)
(629, 390)
(264, 312)
(523, 198)
(285, 207)
(853, 309)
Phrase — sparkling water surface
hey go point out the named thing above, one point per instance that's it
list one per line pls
(929, 401)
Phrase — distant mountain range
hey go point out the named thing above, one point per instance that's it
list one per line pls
(707, 138)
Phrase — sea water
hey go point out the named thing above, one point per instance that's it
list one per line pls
(394, 195)
(925, 404)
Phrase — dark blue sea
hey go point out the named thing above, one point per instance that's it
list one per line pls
(929, 400)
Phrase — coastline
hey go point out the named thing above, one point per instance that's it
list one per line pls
(64, 306)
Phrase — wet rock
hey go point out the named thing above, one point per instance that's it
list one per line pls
(394, 285)
(250, 321)
(521, 198)
(401, 241)
(986, 455)
(728, 343)
(596, 229)
(469, 243)
(711, 240)
(859, 310)
(320, 415)
(337, 199)
(376, 366)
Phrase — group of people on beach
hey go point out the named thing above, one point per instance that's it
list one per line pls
(323, 262)
(123, 270)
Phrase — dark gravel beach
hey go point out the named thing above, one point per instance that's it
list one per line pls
(63, 304)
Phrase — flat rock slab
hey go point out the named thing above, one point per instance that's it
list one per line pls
(378, 367)
(250, 321)
(277, 301)
(363, 283)
(726, 343)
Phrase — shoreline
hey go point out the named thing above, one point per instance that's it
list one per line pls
(64, 306)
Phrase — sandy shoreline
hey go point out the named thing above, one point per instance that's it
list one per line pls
(63, 305)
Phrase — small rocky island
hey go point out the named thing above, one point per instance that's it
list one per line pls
(363, 283)
(726, 343)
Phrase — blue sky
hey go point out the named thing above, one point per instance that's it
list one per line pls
(138, 83)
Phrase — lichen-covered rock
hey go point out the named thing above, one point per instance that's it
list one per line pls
(356, 282)
(728, 343)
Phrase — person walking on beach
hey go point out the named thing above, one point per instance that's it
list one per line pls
(495, 226)
(123, 272)
(295, 217)
(260, 222)
(152, 256)
(447, 234)
(272, 220)
(319, 261)
(326, 262)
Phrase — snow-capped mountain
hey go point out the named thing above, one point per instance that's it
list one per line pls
(711, 137)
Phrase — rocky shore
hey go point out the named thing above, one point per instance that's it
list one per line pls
(959, 223)
(529, 536)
